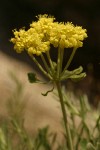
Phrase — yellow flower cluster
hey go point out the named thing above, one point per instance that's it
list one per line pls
(46, 31)
(67, 35)
(29, 40)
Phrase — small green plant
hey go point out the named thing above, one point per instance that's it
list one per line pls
(16, 103)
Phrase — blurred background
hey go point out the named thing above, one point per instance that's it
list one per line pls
(85, 13)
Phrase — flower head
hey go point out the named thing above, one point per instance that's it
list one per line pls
(29, 40)
(46, 31)
(67, 35)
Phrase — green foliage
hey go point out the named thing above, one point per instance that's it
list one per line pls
(75, 75)
(13, 135)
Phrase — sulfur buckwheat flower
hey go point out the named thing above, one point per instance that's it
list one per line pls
(67, 35)
(37, 40)
(30, 41)
(19, 40)
(45, 32)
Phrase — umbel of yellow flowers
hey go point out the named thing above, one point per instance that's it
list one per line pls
(45, 32)
(37, 40)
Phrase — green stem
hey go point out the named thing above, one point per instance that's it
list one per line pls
(40, 67)
(62, 54)
(49, 59)
(79, 137)
(96, 125)
(69, 61)
(68, 133)
(45, 64)
(59, 63)
(51, 64)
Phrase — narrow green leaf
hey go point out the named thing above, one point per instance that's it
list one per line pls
(75, 75)
(83, 144)
(90, 147)
(78, 70)
(98, 146)
(78, 77)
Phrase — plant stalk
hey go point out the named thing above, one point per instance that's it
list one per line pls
(40, 67)
(69, 61)
(68, 133)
